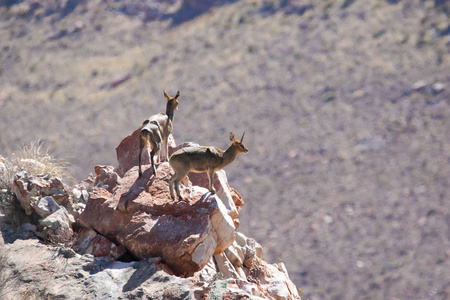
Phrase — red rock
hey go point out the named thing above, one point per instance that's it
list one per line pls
(127, 156)
(107, 176)
(148, 222)
(185, 242)
(150, 193)
(101, 214)
(128, 152)
(89, 242)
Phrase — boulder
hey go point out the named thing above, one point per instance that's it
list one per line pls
(128, 152)
(186, 243)
(57, 226)
(140, 215)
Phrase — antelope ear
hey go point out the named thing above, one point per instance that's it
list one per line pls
(231, 136)
(177, 95)
(166, 95)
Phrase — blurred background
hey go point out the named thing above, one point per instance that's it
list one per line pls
(345, 105)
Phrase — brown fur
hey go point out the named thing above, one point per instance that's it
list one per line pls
(157, 129)
(202, 159)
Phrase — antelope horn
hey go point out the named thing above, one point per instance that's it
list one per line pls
(242, 136)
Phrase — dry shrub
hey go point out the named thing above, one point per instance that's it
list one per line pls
(34, 161)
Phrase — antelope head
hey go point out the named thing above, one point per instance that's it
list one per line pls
(172, 102)
(238, 144)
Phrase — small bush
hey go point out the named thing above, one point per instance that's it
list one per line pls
(34, 161)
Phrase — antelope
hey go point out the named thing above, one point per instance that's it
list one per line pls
(157, 129)
(201, 159)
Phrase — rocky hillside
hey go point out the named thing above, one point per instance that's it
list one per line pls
(345, 105)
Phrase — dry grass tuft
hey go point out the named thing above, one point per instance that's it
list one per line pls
(34, 160)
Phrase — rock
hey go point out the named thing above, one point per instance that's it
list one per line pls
(90, 242)
(128, 152)
(80, 194)
(101, 214)
(37, 186)
(223, 191)
(186, 243)
(58, 226)
(437, 87)
(419, 85)
(22, 192)
(149, 223)
(60, 273)
(226, 268)
(106, 177)
(46, 196)
(274, 279)
(242, 262)
(45, 206)
(119, 79)
(236, 289)
(87, 184)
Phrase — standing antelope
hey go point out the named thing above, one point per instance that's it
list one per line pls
(201, 159)
(156, 129)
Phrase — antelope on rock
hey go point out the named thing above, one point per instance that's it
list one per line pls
(156, 130)
(201, 159)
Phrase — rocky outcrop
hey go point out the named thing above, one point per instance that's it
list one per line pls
(140, 215)
(135, 240)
